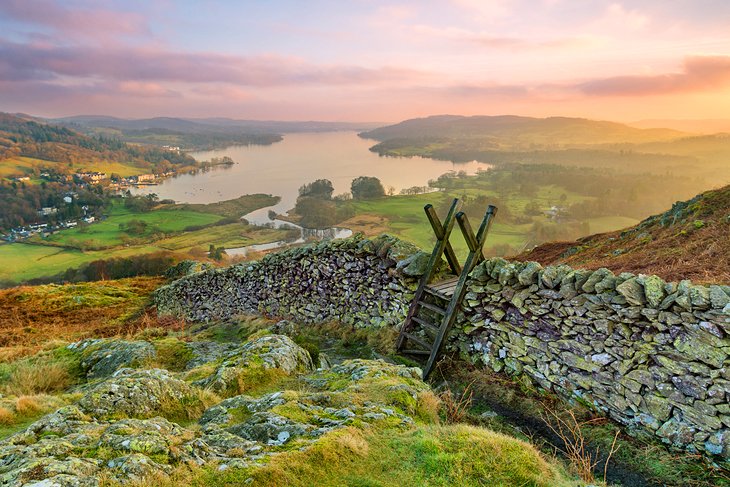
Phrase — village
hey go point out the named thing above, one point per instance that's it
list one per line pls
(47, 223)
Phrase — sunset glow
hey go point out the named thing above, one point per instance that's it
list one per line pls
(366, 60)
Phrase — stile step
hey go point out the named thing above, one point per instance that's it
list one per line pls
(437, 293)
(426, 324)
(418, 340)
(415, 352)
(432, 307)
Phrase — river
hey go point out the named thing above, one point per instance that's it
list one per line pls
(281, 168)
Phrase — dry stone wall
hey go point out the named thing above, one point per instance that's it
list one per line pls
(651, 355)
(356, 281)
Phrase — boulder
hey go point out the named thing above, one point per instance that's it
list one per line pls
(269, 352)
(140, 394)
(101, 358)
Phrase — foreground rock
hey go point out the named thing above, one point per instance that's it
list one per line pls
(101, 358)
(141, 394)
(117, 429)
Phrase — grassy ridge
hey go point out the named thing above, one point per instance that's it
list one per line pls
(35, 316)
(435, 455)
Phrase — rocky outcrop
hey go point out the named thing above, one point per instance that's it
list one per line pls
(367, 282)
(101, 357)
(139, 393)
(117, 431)
(650, 354)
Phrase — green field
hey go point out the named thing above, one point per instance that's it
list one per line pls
(406, 219)
(20, 261)
(403, 215)
(108, 233)
(229, 236)
(166, 230)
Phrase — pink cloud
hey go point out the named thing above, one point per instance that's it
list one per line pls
(77, 22)
(149, 64)
(145, 89)
(699, 73)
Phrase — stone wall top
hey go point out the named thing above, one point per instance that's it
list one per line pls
(564, 282)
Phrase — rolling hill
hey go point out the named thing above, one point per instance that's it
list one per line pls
(198, 133)
(511, 129)
(26, 144)
(689, 241)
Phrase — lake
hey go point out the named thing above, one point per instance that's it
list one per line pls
(280, 169)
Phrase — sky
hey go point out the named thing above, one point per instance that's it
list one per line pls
(366, 60)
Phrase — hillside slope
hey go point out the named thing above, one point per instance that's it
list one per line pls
(27, 138)
(689, 241)
(552, 130)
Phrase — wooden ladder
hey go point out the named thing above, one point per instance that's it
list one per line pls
(435, 306)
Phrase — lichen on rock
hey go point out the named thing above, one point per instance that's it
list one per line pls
(251, 361)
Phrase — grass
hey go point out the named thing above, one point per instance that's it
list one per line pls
(426, 455)
(172, 354)
(229, 236)
(107, 233)
(20, 262)
(17, 413)
(24, 166)
(36, 316)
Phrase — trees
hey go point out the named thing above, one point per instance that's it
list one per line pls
(321, 188)
(315, 212)
(366, 187)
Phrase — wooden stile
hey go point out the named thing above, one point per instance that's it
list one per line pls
(450, 290)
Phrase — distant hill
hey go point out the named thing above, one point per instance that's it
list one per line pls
(25, 137)
(699, 126)
(689, 241)
(510, 129)
(199, 133)
(211, 125)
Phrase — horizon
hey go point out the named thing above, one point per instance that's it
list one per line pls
(374, 61)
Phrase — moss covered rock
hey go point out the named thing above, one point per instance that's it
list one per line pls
(142, 394)
(101, 358)
(251, 361)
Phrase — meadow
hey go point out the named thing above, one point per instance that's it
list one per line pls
(110, 231)
(28, 166)
(511, 231)
(186, 232)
